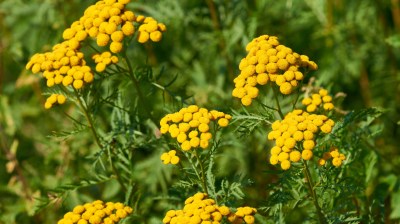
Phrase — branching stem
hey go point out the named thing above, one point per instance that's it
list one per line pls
(310, 184)
(88, 118)
(138, 90)
(203, 174)
(277, 103)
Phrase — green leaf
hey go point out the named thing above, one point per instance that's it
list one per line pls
(395, 214)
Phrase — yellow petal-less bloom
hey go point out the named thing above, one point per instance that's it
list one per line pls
(186, 125)
(200, 209)
(105, 21)
(307, 154)
(297, 126)
(97, 212)
(267, 60)
(318, 100)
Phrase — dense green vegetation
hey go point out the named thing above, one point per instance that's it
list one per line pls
(50, 161)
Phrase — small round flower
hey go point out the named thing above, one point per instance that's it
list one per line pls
(283, 156)
(306, 154)
(295, 156)
(115, 47)
(326, 128)
(246, 100)
(321, 162)
(155, 36)
(61, 99)
(262, 78)
(308, 144)
(311, 108)
(117, 36)
(285, 88)
(223, 122)
(328, 106)
(128, 29)
(78, 84)
(306, 101)
(102, 39)
(143, 37)
(186, 146)
(336, 162)
(100, 67)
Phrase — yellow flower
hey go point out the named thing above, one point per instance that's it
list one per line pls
(115, 47)
(61, 99)
(286, 88)
(102, 39)
(285, 164)
(307, 154)
(308, 144)
(95, 212)
(143, 37)
(336, 162)
(155, 36)
(295, 156)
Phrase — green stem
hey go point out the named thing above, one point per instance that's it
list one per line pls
(310, 184)
(297, 98)
(203, 174)
(193, 166)
(96, 136)
(277, 103)
(138, 90)
(88, 118)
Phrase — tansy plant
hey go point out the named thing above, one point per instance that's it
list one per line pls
(92, 67)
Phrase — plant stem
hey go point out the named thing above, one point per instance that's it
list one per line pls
(138, 90)
(203, 175)
(310, 184)
(277, 103)
(88, 118)
(96, 136)
(194, 167)
(297, 98)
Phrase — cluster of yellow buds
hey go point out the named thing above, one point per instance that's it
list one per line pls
(318, 99)
(335, 155)
(54, 98)
(191, 126)
(150, 29)
(64, 65)
(268, 60)
(170, 157)
(200, 209)
(107, 20)
(297, 126)
(96, 212)
(103, 60)
(245, 214)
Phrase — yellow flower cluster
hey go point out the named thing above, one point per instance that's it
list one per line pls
(54, 98)
(296, 132)
(64, 65)
(200, 209)
(268, 60)
(191, 126)
(109, 21)
(245, 214)
(318, 99)
(150, 29)
(96, 212)
(170, 157)
(335, 155)
(106, 21)
(103, 60)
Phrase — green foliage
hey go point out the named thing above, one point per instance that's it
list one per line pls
(105, 143)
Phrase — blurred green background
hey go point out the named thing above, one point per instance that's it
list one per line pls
(356, 45)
